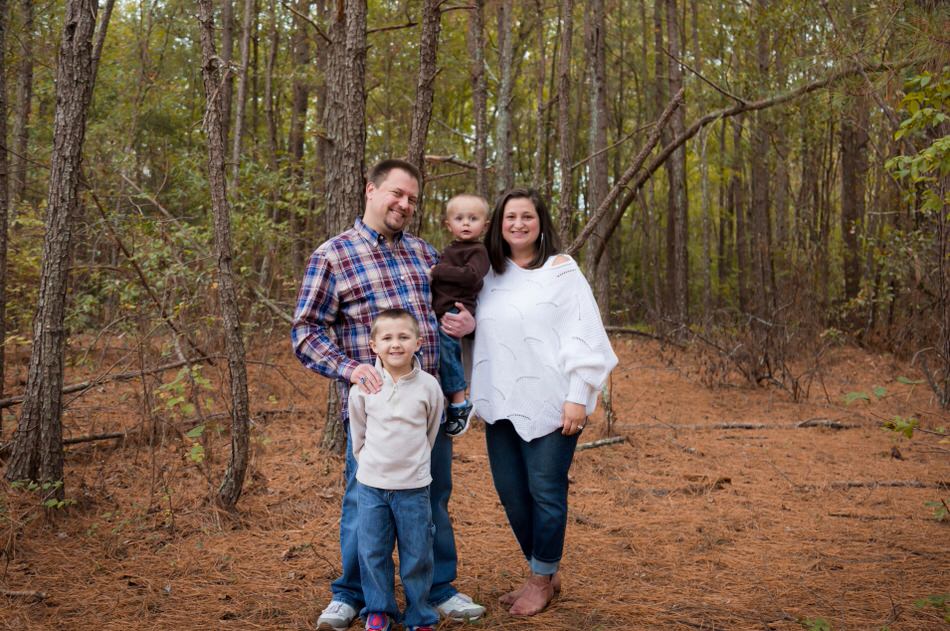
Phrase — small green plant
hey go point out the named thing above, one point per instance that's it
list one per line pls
(901, 425)
(879, 392)
(47, 490)
(941, 512)
(815, 624)
(940, 602)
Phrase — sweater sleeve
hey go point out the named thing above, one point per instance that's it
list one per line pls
(585, 354)
(469, 274)
(357, 410)
(436, 406)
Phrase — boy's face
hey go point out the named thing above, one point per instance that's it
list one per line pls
(466, 221)
(395, 342)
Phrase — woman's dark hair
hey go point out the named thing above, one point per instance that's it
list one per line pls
(547, 244)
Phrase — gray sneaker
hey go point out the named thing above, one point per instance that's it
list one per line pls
(336, 617)
(460, 608)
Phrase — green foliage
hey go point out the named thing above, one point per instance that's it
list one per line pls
(902, 426)
(939, 602)
(879, 392)
(815, 624)
(939, 508)
(46, 491)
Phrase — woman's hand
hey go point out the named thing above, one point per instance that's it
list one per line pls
(459, 324)
(573, 418)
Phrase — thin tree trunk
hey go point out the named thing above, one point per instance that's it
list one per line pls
(230, 490)
(707, 260)
(504, 174)
(476, 47)
(564, 127)
(270, 115)
(422, 106)
(247, 24)
(300, 45)
(678, 226)
(540, 134)
(38, 442)
(4, 192)
(345, 124)
(24, 98)
(737, 197)
(598, 185)
(227, 52)
(854, 166)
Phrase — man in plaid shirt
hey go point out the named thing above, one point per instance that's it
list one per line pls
(372, 267)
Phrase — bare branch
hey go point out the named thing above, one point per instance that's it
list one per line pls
(309, 21)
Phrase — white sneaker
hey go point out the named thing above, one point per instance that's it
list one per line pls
(336, 617)
(460, 607)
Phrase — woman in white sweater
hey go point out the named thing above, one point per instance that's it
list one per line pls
(541, 357)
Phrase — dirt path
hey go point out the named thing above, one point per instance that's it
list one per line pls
(682, 526)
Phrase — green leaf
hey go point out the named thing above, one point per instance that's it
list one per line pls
(909, 382)
(197, 453)
(196, 431)
(879, 391)
(851, 397)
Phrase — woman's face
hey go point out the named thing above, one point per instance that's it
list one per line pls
(520, 225)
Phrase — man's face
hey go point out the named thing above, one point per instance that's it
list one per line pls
(390, 205)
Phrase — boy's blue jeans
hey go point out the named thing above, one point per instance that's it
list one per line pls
(387, 517)
(348, 587)
(451, 371)
(531, 481)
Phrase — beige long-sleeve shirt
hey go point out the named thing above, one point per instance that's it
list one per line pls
(392, 432)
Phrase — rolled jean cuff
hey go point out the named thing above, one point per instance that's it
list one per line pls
(544, 568)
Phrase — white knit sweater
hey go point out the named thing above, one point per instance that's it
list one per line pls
(539, 341)
(392, 432)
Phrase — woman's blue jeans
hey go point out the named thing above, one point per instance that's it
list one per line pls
(348, 587)
(531, 481)
(388, 517)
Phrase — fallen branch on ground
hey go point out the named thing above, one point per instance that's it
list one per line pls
(600, 443)
(810, 423)
(34, 596)
(914, 484)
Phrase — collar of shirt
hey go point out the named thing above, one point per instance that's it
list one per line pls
(373, 237)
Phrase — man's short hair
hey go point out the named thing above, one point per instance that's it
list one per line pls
(464, 197)
(381, 170)
(395, 314)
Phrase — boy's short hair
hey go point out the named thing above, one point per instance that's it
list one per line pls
(463, 197)
(394, 314)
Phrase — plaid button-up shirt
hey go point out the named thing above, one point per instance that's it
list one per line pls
(349, 280)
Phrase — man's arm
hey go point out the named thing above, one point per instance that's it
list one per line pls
(317, 309)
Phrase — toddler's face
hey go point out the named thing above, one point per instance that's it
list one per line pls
(467, 222)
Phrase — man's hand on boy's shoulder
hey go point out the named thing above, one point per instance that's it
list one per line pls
(367, 379)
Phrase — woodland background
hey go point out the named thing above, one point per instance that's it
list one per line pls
(760, 182)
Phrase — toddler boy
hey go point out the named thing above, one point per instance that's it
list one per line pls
(457, 278)
(392, 433)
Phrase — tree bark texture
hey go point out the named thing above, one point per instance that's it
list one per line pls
(230, 490)
(38, 442)
(227, 52)
(300, 97)
(246, 26)
(540, 134)
(24, 97)
(854, 167)
(760, 225)
(345, 125)
(564, 127)
(678, 217)
(422, 106)
(598, 185)
(476, 48)
(4, 191)
(504, 173)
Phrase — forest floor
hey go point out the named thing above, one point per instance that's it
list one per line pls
(687, 524)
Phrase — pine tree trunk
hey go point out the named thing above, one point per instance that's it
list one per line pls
(476, 47)
(227, 52)
(422, 106)
(677, 226)
(38, 442)
(4, 188)
(247, 24)
(854, 167)
(300, 94)
(230, 490)
(504, 173)
(24, 98)
(737, 201)
(540, 135)
(345, 126)
(564, 127)
(760, 229)
(598, 185)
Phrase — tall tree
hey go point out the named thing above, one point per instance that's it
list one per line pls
(678, 214)
(596, 31)
(4, 192)
(233, 482)
(246, 27)
(760, 228)
(564, 123)
(24, 100)
(504, 172)
(476, 48)
(345, 125)
(422, 106)
(540, 134)
(38, 442)
(300, 97)
(227, 52)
